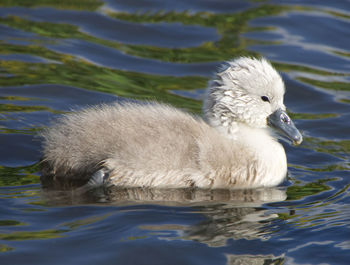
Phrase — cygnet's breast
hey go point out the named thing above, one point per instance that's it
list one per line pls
(269, 155)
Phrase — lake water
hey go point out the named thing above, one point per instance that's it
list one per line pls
(57, 56)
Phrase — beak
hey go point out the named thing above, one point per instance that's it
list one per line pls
(281, 121)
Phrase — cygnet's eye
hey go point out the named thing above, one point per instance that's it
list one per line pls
(265, 98)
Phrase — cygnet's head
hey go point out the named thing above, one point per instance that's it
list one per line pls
(248, 91)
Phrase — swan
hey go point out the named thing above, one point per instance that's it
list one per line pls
(159, 146)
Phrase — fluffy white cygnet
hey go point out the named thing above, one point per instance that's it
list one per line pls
(156, 145)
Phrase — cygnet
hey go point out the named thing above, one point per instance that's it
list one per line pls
(157, 145)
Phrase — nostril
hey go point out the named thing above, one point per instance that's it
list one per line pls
(284, 118)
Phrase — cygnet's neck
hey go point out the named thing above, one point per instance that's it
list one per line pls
(239, 131)
(256, 138)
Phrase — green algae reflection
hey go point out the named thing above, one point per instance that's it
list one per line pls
(5, 248)
(61, 4)
(32, 235)
(335, 85)
(229, 27)
(297, 192)
(80, 73)
(10, 223)
(17, 176)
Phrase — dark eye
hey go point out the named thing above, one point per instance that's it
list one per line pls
(265, 98)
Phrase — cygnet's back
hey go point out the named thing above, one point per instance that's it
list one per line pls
(138, 136)
(156, 145)
(141, 142)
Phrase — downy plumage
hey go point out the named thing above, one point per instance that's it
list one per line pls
(156, 145)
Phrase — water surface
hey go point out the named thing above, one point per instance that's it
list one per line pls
(59, 56)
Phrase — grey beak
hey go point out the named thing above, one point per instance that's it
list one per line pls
(281, 121)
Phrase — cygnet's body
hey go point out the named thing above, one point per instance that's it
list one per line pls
(155, 145)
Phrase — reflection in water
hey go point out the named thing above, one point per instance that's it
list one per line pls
(193, 196)
(253, 260)
(229, 214)
(228, 222)
(67, 193)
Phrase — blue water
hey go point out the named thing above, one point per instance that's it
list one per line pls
(59, 57)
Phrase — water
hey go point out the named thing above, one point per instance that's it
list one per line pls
(58, 56)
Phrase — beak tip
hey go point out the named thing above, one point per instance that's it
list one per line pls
(298, 139)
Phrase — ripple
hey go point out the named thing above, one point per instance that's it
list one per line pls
(163, 35)
(220, 6)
